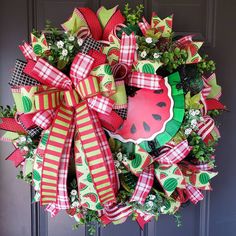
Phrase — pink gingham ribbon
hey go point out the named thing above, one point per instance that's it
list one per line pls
(193, 193)
(144, 185)
(127, 49)
(143, 80)
(174, 155)
(28, 52)
(62, 202)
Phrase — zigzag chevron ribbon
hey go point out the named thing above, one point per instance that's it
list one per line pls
(94, 154)
(53, 153)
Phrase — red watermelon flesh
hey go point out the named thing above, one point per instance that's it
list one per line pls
(148, 111)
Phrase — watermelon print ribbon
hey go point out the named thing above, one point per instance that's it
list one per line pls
(64, 104)
(166, 171)
(211, 94)
(191, 47)
(158, 27)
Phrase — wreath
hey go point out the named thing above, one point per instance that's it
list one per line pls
(114, 116)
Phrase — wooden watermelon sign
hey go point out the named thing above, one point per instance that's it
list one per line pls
(153, 115)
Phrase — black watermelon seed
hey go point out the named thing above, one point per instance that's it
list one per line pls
(146, 126)
(156, 117)
(161, 104)
(159, 91)
(133, 129)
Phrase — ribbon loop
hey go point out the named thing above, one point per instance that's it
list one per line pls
(144, 80)
(49, 75)
(80, 68)
(49, 99)
(71, 98)
(127, 49)
(88, 87)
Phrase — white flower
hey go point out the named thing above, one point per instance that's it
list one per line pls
(143, 54)
(156, 55)
(125, 159)
(148, 40)
(22, 139)
(71, 38)
(80, 41)
(192, 112)
(193, 123)
(64, 52)
(73, 192)
(197, 112)
(149, 204)
(152, 197)
(60, 44)
(188, 131)
(25, 148)
(119, 156)
(75, 204)
(117, 164)
(162, 208)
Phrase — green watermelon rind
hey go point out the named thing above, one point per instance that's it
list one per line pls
(174, 124)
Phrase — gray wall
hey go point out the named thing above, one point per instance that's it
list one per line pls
(211, 20)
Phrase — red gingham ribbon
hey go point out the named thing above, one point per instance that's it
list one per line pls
(117, 212)
(44, 119)
(127, 49)
(107, 152)
(143, 80)
(101, 104)
(174, 155)
(80, 68)
(62, 199)
(144, 26)
(144, 185)
(28, 52)
(49, 75)
(182, 42)
(193, 194)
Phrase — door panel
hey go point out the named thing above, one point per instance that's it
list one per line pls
(209, 20)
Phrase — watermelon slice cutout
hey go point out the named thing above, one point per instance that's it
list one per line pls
(153, 115)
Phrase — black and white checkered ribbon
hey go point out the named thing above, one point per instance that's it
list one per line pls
(33, 132)
(90, 43)
(19, 78)
(122, 112)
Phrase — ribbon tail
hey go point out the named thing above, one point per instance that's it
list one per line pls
(62, 198)
(144, 185)
(16, 157)
(90, 153)
(53, 154)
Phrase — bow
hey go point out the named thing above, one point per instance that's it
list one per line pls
(64, 103)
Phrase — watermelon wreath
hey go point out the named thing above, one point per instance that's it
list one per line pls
(114, 116)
